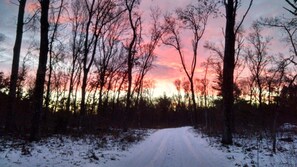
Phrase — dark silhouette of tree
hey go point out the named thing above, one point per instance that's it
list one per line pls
(275, 77)
(109, 58)
(76, 49)
(216, 64)
(231, 7)
(147, 56)
(204, 81)
(92, 16)
(52, 55)
(97, 15)
(289, 28)
(10, 120)
(217, 58)
(258, 59)
(134, 20)
(41, 72)
(193, 18)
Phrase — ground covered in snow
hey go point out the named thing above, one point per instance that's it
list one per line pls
(256, 149)
(175, 147)
(61, 151)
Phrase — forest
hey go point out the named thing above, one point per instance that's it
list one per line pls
(93, 57)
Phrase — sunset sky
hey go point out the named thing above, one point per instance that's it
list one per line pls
(167, 67)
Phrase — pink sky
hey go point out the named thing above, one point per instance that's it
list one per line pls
(167, 67)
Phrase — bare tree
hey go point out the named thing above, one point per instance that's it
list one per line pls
(147, 55)
(76, 48)
(109, 55)
(194, 18)
(41, 71)
(53, 38)
(275, 77)
(258, 59)
(10, 120)
(98, 14)
(205, 83)
(216, 61)
(91, 31)
(288, 26)
(231, 7)
(135, 25)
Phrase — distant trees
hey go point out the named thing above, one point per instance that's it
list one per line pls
(76, 42)
(216, 61)
(55, 50)
(97, 15)
(288, 27)
(100, 53)
(147, 55)
(110, 56)
(258, 59)
(177, 84)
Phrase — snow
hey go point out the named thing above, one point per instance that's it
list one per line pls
(288, 126)
(61, 151)
(255, 150)
(177, 147)
(174, 147)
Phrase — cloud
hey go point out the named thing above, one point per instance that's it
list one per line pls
(2, 37)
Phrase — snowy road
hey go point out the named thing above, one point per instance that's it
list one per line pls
(176, 147)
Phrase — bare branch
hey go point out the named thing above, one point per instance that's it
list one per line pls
(244, 16)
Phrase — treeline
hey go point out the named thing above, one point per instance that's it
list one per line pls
(94, 56)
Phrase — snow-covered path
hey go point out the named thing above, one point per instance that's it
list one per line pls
(176, 147)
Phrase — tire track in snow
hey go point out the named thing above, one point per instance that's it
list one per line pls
(175, 147)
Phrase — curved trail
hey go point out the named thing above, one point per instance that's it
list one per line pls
(175, 147)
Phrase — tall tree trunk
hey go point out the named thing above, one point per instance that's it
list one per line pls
(131, 54)
(10, 120)
(86, 50)
(41, 72)
(228, 71)
(193, 96)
